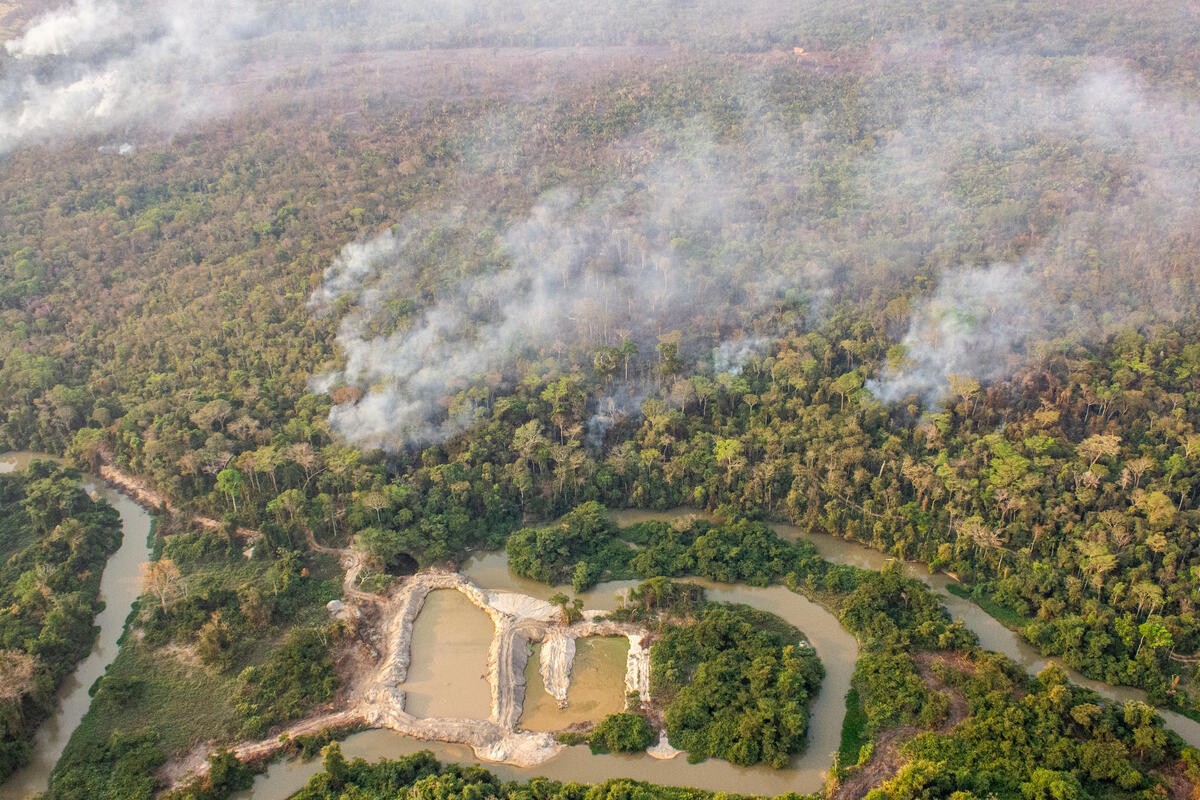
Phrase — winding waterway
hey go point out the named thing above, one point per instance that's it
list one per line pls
(119, 587)
(837, 649)
(992, 634)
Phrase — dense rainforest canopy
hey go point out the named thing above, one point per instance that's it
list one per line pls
(54, 541)
(421, 279)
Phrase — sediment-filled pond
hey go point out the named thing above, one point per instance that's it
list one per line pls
(597, 686)
(837, 649)
(448, 673)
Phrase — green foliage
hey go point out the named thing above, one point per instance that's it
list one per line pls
(121, 767)
(854, 731)
(574, 550)
(421, 776)
(584, 546)
(886, 607)
(55, 541)
(621, 733)
(735, 684)
(149, 696)
(1053, 741)
(890, 690)
(298, 676)
(660, 598)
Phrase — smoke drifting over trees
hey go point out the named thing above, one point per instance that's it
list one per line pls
(617, 267)
(1015, 202)
(976, 187)
(98, 65)
(975, 324)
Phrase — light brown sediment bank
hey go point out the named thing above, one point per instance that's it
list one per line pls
(376, 698)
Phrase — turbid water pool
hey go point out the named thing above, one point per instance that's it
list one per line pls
(447, 676)
(597, 686)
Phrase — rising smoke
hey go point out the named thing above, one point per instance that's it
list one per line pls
(975, 324)
(578, 273)
(99, 65)
(1125, 219)
(996, 188)
(681, 247)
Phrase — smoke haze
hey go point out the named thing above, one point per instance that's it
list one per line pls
(99, 65)
(993, 186)
(679, 245)
(975, 324)
(579, 272)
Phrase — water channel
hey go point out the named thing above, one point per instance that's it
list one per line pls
(119, 587)
(837, 649)
(992, 634)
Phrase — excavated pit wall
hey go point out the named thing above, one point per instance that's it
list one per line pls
(557, 659)
(518, 619)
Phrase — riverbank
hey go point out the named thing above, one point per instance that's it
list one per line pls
(806, 773)
(376, 697)
(153, 500)
(120, 586)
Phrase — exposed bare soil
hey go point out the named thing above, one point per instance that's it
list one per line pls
(375, 667)
(887, 760)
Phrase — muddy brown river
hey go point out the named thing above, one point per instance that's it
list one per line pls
(451, 639)
(119, 587)
(837, 649)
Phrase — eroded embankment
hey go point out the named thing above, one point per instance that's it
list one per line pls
(376, 697)
(518, 620)
(153, 500)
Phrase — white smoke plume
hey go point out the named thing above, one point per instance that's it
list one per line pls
(579, 272)
(73, 29)
(131, 66)
(974, 325)
(731, 356)
(1142, 200)
(676, 247)
(99, 65)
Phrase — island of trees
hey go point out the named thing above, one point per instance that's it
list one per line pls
(921, 277)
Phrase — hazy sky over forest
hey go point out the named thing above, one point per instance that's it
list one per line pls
(583, 266)
(685, 239)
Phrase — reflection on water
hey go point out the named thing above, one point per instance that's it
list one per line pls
(447, 676)
(837, 649)
(597, 686)
(119, 587)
